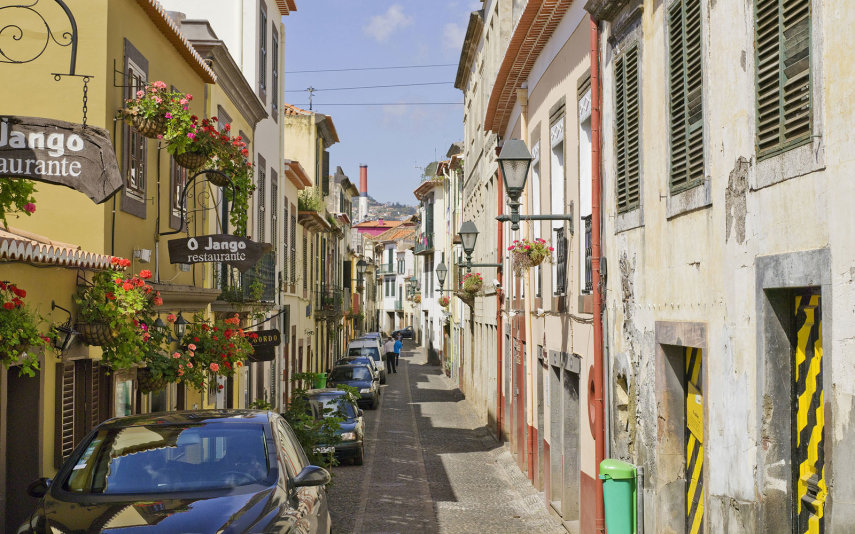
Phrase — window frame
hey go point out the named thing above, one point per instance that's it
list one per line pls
(274, 74)
(134, 198)
(262, 52)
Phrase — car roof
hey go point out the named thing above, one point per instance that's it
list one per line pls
(325, 392)
(189, 417)
(362, 343)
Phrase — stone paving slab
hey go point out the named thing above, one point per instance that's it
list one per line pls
(431, 466)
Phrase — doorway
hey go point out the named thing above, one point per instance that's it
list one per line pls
(21, 405)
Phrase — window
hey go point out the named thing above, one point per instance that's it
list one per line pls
(627, 139)
(557, 183)
(135, 145)
(179, 180)
(585, 185)
(274, 75)
(262, 53)
(305, 263)
(285, 237)
(686, 95)
(782, 46)
(274, 210)
(560, 287)
(294, 246)
(260, 192)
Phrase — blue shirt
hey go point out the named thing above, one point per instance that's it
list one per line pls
(398, 346)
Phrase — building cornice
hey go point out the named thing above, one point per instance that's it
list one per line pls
(173, 34)
(470, 47)
(536, 25)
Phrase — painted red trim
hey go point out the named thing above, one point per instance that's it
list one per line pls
(597, 380)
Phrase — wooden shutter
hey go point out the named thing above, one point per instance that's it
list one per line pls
(293, 246)
(627, 142)
(686, 95)
(64, 433)
(782, 47)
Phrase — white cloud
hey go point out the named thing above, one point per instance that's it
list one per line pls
(380, 27)
(453, 35)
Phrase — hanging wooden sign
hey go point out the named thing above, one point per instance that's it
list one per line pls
(59, 152)
(265, 345)
(234, 250)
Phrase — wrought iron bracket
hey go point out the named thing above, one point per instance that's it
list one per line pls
(182, 203)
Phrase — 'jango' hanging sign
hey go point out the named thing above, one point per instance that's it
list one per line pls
(234, 250)
(59, 152)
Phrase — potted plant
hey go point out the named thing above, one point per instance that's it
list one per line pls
(444, 301)
(472, 283)
(210, 349)
(527, 254)
(191, 143)
(417, 298)
(116, 312)
(20, 339)
(154, 107)
(230, 155)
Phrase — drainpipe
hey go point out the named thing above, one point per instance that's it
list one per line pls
(522, 97)
(597, 379)
(500, 403)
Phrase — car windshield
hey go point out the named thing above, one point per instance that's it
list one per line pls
(170, 458)
(351, 373)
(356, 359)
(328, 406)
(371, 352)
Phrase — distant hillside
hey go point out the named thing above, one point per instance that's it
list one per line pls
(393, 211)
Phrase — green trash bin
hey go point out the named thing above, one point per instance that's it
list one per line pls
(619, 494)
(320, 380)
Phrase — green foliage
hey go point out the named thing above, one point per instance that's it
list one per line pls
(20, 338)
(16, 196)
(210, 349)
(312, 432)
(126, 305)
(309, 199)
(260, 404)
(472, 282)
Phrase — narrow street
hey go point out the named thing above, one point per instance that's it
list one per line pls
(431, 467)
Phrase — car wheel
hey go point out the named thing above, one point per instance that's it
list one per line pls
(375, 403)
(383, 379)
(359, 459)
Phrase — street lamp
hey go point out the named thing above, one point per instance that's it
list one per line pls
(64, 334)
(514, 161)
(441, 273)
(469, 234)
(361, 265)
(180, 326)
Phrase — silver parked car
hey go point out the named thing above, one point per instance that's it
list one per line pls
(372, 348)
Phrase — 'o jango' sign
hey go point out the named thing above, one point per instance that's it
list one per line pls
(59, 152)
(234, 250)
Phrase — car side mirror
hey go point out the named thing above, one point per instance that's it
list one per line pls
(39, 488)
(359, 412)
(312, 475)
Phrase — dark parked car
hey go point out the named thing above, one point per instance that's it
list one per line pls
(360, 377)
(361, 360)
(405, 333)
(333, 402)
(199, 471)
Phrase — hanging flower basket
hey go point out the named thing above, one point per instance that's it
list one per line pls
(417, 298)
(190, 160)
(444, 301)
(527, 254)
(147, 382)
(95, 334)
(472, 283)
(152, 128)
(219, 180)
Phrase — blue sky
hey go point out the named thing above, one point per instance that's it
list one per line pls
(392, 140)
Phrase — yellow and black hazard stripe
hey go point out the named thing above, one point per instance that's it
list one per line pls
(808, 458)
(694, 442)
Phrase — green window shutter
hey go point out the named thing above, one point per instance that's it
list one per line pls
(782, 47)
(686, 95)
(627, 142)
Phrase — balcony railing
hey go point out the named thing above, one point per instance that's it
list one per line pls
(589, 276)
(424, 243)
(259, 282)
(328, 302)
(399, 305)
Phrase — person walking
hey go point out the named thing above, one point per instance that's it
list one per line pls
(398, 346)
(389, 349)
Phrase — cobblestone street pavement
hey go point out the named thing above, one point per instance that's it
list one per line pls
(430, 466)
